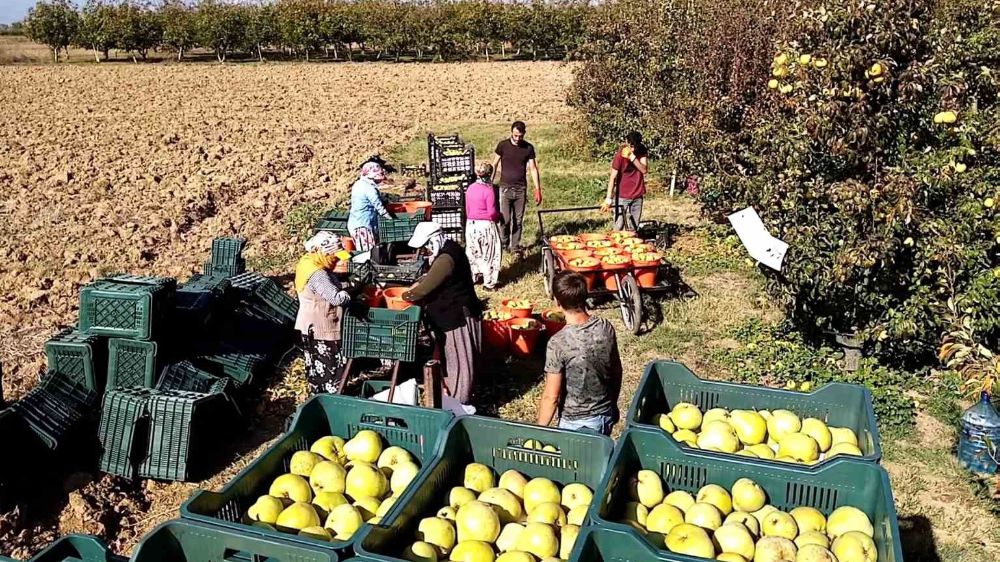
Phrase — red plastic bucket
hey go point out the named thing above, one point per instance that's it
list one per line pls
(646, 268)
(609, 271)
(588, 270)
(394, 298)
(553, 325)
(524, 334)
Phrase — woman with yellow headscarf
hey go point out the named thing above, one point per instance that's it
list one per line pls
(320, 302)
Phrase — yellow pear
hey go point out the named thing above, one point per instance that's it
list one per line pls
(843, 449)
(779, 524)
(367, 507)
(717, 496)
(539, 539)
(663, 420)
(329, 500)
(774, 549)
(704, 515)
(266, 509)
(508, 505)
(385, 506)
(460, 496)
(291, 486)
(421, 551)
(715, 414)
(814, 553)
(781, 423)
(748, 496)
(438, 532)
(762, 451)
(772, 84)
(479, 477)
(567, 538)
(514, 482)
(448, 512)
(344, 521)
(663, 518)
(799, 446)
(808, 519)
(298, 516)
(635, 511)
(472, 551)
(577, 515)
(364, 480)
(686, 416)
(302, 463)
(730, 557)
(686, 436)
(549, 512)
(680, 499)
(328, 476)
(750, 426)
(540, 490)
(690, 540)
(477, 521)
(843, 435)
(734, 537)
(818, 430)
(393, 456)
(718, 436)
(576, 495)
(402, 474)
(812, 537)
(515, 556)
(746, 519)
(647, 488)
(855, 546)
(507, 540)
(330, 448)
(316, 532)
(846, 519)
(761, 513)
(365, 446)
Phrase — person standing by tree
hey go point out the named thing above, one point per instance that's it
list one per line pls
(513, 159)
(627, 182)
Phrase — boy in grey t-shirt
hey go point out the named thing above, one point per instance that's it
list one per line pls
(583, 370)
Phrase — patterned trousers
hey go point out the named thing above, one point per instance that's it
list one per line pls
(324, 364)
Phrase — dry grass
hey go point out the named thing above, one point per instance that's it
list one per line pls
(15, 49)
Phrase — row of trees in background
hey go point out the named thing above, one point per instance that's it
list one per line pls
(443, 29)
(866, 134)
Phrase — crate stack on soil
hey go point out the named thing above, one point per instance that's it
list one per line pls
(452, 164)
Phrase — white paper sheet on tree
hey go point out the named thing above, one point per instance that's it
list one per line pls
(763, 247)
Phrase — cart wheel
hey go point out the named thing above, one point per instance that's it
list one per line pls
(548, 270)
(630, 303)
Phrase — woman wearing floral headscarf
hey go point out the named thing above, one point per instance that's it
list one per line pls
(450, 306)
(367, 206)
(320, 301)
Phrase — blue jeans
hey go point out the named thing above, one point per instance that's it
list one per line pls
(601, 424)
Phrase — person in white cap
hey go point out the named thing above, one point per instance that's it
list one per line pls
(367, 206)
(320, 302)
(451, 307)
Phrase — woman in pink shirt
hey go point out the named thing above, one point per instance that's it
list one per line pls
(482, 237)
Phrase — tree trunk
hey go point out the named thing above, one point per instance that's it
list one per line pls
(335, 55)
(97, 54)
(487, 48)
(133, 57)
(420, 53)
(397, 55)
(55, 54)
(307, 55)
(220, 54)
(180, 53)
(503, 49)
(107, 53)
(260, 53)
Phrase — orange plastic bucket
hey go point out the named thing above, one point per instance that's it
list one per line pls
(599, 243)
(605, 252)
(609, 271)
(372, 296)
(620, 234)
(567, 255)
(563, 238)
(554, 320)
(496, 332)
(644, 248)
(564, 246)
(394, 298)
(524, 334)
(647, 268)
(586, 266)
(419, 206)
(592, 236)
(630, 242)
(518, 311)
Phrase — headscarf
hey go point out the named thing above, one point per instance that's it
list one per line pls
(322, 249)
(434, 245)
(428, 235)
(373, 171)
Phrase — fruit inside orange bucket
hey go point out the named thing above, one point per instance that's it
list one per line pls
(647, 268)
(394, 298)
(554, 320)
(614, 266)
(524, 334)
(586, 266)
(518, 308)
(496, 332)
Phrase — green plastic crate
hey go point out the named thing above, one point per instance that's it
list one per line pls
(843, 481)
(400, 228)
(240, 367)
(380, 333)
(389, 275)
(74, 548)
(184, 376)
(227, 256)
(666, 383)
(184, 541)
(56, 410)
(418, 430)
(77, 356)
(334, 220)
(125, 309)
(264, 296)
(182, 428)
(131, 363)
(581, 457)
(595, 544)
(123, 432)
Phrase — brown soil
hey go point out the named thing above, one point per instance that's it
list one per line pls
(136, 168)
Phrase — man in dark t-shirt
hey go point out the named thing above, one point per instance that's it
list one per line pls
(513, 159)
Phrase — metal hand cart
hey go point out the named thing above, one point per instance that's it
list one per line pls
(628, 292)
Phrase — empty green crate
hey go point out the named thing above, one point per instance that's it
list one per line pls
(78, 357)
(400, 228)
(184, 376)
(266, 297)
(208, 282)
(52, 412)
(380, 333)
(417, 430)
(131, 363)
(69, 390)
(334, 221)
(842, 481)
(498, 444)
(181, 430)
(403, 274)
(74, 548)
(124, 309)
(665, 383)
(238, 366)
(185, 541)
(123, 432)
(227, 255)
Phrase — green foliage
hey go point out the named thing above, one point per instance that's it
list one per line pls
(178, 22)
(138, 29)
(220, 27)
(98, 27)
(53, 23)
(301, 219)
(776, 356)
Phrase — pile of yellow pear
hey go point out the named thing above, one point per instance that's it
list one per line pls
(779, 434)
(738, 525)
(335, 487)
(512, 519)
